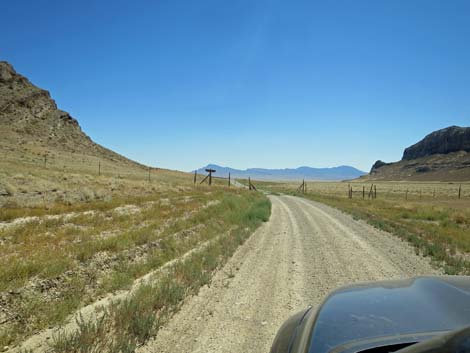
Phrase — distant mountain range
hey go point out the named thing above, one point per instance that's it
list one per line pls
(336, 173)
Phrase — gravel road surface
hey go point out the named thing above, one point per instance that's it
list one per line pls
(305, 250)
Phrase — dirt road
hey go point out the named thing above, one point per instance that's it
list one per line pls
(303, 252)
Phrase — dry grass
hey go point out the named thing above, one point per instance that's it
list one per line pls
(46, 247)
(69, 235)
(28, 187)
(132, 321)
(103, 249)
(431, 217)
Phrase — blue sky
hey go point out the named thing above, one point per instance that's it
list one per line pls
(248, 83)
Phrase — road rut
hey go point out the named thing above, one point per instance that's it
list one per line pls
(305, 250)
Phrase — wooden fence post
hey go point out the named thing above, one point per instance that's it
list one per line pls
(301, 188)
(370, 191)
(460, 190)
(363, 192)
(252, 186)
(228, 179)
(195, 177)
(99, 168)
(210, 171)
(375, 191)
(203, 180)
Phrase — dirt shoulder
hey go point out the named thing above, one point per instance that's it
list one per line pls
(303, 252)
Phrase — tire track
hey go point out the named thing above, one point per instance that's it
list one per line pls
(303, 252)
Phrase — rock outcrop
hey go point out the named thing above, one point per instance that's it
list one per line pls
(378, 164)
(443, 155)
(444, 141)
(31, 113)
(31, 121)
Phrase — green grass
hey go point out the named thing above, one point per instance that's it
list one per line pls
(435, 231)
(53, 249)
(436, 227)
(134, 320)
(47, 248)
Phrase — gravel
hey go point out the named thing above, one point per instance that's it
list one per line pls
(305, 250)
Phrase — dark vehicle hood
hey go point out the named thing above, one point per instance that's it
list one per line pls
(394, 311)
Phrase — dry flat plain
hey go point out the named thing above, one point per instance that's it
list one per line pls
(155, 272)
(305, 250)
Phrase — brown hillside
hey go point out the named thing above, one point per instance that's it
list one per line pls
(31, 122)
(46, 158)
(443, 155)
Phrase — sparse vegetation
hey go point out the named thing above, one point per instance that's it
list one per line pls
(54, 264)
(132, 321)
(80, 224)
(431, 217)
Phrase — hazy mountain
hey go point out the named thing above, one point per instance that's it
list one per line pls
(307, 173)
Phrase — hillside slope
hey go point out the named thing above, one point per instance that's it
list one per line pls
(46, 158)
(443, 155)
(30, 122)
(444, 141)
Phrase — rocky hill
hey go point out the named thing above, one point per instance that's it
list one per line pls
(46, 158)
(443, 155)
(30, 122)
(444, 141)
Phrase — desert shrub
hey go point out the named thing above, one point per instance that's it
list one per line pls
(87, 194)
(8, 188)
